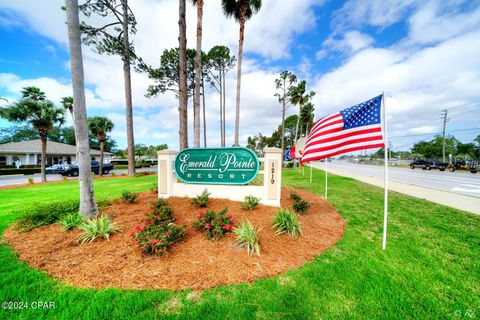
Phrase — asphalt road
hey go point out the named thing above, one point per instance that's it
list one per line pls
(461, 182)
(21, 179)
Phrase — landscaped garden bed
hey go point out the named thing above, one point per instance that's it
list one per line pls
(192, 262)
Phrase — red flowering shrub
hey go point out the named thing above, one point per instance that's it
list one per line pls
(159, 231)
(215, 225)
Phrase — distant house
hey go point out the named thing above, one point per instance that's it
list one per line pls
(29, 152)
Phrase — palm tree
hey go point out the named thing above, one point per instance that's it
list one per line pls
(37, 111)
(183, 93)
(33, 93)
(306, 116)
(99, 127)
(284, 85)
(88, 205)
(298, 96)
(241, 10)
(198, 75)
(67, 103)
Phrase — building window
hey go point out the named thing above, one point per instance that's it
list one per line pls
(3, 160)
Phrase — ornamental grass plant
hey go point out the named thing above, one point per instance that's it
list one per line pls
(100, 227)
(247, 236)
(287, 222)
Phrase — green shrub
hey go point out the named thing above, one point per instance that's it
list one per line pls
(215, 225)
(286, 222)
(159, 232)
(129, 196)
(71, 220)
(154, 187)
(247, 237)
(120, 166)
(250, 203)
(294, 196)
(301, 206)
(142, 174)
(103, 203)
(101, 227)
(289, 164)
(161, 215)
(11, 171)
(160, 202)
(113, 174)
(30, 180)
(42, 214)
(201, 200)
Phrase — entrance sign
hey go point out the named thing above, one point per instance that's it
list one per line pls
(234, 165)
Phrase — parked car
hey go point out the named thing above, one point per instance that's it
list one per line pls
(72, 169)
(472, 165)
(428, 164)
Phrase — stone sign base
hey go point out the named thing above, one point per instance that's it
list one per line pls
(269, 192)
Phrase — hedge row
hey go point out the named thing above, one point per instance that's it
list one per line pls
(6, 172)
(24, 166)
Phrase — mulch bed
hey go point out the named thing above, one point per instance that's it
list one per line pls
(194, 262)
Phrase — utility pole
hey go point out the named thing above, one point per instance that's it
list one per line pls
(445, 120)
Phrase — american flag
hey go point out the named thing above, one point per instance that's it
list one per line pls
(355, 128)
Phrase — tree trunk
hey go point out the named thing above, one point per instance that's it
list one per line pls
(183, 98)
(223, 109)
(43, 138)
(88, 205)
(128, 91)
(283, 126)
(198, 68)
(222, 141)
(204, 116)
(102, 148)
(298, 122)
(239, 73)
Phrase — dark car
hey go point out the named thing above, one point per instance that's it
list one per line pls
(472, 165)
(72, 169)
(428, 164)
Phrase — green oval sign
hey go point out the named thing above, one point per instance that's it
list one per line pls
(234, 165)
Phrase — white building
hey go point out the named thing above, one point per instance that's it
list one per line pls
(29, 152)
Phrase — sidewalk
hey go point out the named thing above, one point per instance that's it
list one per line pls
(458, 201)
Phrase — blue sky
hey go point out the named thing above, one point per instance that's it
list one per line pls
(423, 54)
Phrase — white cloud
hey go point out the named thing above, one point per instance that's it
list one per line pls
(436, 21)
(349, 43)
(378, 13)
(423, 130)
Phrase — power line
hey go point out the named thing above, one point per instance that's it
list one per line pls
(434, 133)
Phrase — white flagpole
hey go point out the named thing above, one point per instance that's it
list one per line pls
(385, 149)
(326, 178)
(310, 172)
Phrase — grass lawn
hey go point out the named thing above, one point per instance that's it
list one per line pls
(430, 270)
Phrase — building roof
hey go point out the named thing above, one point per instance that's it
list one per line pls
(35, 146)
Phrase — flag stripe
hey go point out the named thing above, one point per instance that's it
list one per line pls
(312, 157)
(324, 138)
(346, 141)
(324, 119)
